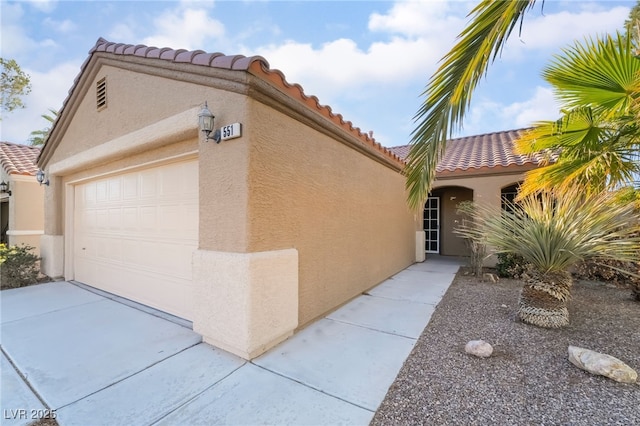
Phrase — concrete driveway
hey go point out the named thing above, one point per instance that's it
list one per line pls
(93, 359)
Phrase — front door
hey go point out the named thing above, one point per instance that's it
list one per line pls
(432, 225)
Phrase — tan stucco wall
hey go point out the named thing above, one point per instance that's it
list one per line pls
(245, 303)
(135, 101)
(26, 211)
(450, 243)
(346, 214)
(486, 190)
(283, 185)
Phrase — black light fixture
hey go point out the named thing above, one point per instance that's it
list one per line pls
(4, 188)
(41, 178)
(206, 123)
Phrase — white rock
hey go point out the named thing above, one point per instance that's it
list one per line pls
(491, 277)
(479, 348)
(602, 364)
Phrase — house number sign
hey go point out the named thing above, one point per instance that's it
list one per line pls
(231, 131)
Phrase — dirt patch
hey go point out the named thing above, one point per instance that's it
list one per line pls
(45, 422)
(528, 380)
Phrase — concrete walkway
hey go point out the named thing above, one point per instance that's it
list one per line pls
(97, 361)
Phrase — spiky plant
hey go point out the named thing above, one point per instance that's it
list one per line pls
(552, 232)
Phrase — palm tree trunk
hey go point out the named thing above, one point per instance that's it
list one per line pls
(543, 300)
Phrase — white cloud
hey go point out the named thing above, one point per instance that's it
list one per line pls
(15, 41)
(64, 26)
(184, 28)
(487, 113)
(542, 106)
(122, 32)
(416, 18)
(45, 6)
(48, 90)
(341, 64)
(418, 35)
(550, 32)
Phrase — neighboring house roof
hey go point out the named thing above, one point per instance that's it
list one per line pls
(481, 152)
(255, 65)
(17, 159)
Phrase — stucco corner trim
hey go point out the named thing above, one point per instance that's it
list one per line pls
(24, 232)
(171, 129)
(52, 254)
(420, 246)
(245, 303)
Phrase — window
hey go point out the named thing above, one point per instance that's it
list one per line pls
(101, 94)
(508, 195)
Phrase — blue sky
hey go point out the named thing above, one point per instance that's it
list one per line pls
(367, 60)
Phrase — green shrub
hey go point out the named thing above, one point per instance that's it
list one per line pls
(600, 270)
(18, 266)
(511, 265)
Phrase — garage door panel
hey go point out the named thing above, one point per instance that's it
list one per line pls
(114, 189)
(135, 234)
(129, 187)
(101, 192)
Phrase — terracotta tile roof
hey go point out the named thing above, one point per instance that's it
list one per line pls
(256, 65)
(17, 159)
(480, 152)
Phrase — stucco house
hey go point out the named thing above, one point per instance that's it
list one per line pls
(481, 168)
(21, 197)
(286, 213)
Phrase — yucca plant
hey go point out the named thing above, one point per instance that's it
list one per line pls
(552, 232)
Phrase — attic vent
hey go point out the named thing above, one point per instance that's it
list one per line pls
(101, 94)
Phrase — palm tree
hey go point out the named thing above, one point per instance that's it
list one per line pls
(598, 135)
(552, 233)
(39, 137)
(449, 91)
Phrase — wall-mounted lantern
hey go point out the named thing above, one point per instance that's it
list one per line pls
(206, 121)
(41, 178)
(4, 188)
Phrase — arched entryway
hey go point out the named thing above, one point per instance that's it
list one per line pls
(440, 220)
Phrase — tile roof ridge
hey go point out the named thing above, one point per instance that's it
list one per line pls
(21, 145)
(313, 102)
(480, 135)
(215, 60)
(256, 65)
(18, 159)
(487, 134)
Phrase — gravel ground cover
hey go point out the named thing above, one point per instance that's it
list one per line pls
(528, 380)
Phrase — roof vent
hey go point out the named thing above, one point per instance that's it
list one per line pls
(101, 94)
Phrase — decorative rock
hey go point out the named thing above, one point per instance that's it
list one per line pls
(479, 348)
(602, 364)
(491, 277)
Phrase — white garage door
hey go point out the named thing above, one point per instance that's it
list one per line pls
(135, 233)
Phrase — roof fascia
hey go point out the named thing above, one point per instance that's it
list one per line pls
(254, 83)
(271, 95)
(486, 171)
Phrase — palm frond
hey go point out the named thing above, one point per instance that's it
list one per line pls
(597, 139)
(448, 93)
(600, 73)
